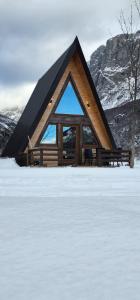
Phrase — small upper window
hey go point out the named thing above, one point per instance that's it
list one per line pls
(49, 136)
(88, 136)
(69, 102)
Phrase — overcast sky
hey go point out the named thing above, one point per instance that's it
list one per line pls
(33, 33)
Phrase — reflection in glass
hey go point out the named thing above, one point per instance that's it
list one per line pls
(49, 136)
(69, 102)
(69, 142)
(88, 136)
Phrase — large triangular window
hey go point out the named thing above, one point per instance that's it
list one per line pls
(69, 102)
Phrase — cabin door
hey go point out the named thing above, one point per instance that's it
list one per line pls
(70, 144)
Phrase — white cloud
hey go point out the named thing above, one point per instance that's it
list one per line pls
(34, 33)
(12, 96)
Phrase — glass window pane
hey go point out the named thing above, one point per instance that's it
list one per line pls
(88, 136)
(69, 137)
(49, 136)
(69, 102)
(69, 142)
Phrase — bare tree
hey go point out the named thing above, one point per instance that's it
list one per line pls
(132, 44)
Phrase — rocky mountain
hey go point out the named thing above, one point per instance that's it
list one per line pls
(119, 119)
(7, 126)
(8, 121)
(109, 67)
(12, 113)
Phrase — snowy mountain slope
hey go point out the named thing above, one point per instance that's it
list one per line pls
(13, 113)
(8, 120)
(109, 67)
(69, 233)
(7, 126)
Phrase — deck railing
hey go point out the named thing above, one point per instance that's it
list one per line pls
(35, 156)
(112, 157)
(42, 157)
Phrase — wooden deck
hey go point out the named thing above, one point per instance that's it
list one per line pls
(45, 157)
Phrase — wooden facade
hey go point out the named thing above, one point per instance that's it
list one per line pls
(76, 72)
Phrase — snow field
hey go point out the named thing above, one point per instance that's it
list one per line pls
(69, 233)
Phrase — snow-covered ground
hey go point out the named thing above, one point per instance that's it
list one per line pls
(69, 233)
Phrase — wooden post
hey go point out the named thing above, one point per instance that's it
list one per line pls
(60, 141)
(27, 158)
(98, 157)
(130, 158)
(41, 157)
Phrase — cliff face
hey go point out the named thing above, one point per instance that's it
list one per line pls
(109, 67)
(119, 119)
(7, 126)
(8, 121)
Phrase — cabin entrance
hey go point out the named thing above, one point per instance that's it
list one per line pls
(66, 139)
(70, 144)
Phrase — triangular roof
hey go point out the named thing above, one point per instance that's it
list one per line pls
(41, 97)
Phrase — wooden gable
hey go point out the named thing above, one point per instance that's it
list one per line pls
(76, 71)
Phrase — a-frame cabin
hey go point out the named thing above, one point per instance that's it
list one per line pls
(63, 122)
